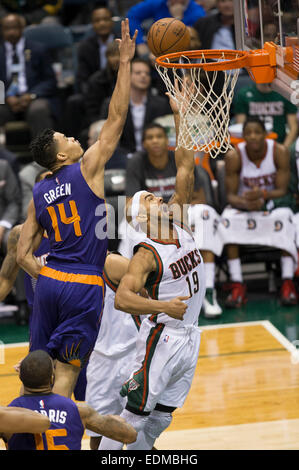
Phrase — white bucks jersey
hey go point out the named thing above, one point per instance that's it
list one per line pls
(262, 175)
(179, 272)
(118, 330)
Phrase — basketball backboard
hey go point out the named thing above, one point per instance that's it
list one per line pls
(272, 21)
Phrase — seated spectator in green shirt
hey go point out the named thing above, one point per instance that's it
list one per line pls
(260, 101)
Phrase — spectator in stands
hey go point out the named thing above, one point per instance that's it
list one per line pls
(101, 84)
(77, 12)
(188, 11)
(259, 100)
(209, 6)
(91, 57)
(195, 43)
(153, 168)
(27, 177)
(92, 51)
(28, 77)
(144, 107)
(118, 159)
(34, 11)
(216, 31)
(257, 178)
(10, 215)
(12, 159)
(10, 201)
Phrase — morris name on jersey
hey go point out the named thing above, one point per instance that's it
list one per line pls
(55, 416)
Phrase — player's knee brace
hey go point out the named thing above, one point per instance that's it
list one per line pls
(157, 422)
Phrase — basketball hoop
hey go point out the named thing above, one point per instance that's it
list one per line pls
(205, 95)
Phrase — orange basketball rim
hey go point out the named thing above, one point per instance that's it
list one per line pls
(204, 108)
(260, 63)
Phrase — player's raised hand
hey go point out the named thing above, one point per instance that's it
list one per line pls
(176, 308)
(126, 44)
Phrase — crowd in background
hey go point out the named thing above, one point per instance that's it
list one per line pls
(58, 62)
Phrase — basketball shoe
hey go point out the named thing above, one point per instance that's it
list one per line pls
(288, 294)
(211, 308)
(237, 295)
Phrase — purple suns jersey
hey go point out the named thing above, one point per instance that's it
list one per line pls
(73, 217)
(66, 430)
(30, 282)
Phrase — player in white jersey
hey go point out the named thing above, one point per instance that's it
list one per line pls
(257, 177)
(114, 351)
(168, 263)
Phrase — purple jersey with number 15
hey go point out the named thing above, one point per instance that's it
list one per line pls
(74, 218)
(66, 430)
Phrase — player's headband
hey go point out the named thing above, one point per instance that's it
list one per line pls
(135, 209)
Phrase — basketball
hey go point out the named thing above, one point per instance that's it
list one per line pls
(168, 35)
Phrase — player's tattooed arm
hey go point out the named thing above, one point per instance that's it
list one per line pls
(10, 268)
(113, 427)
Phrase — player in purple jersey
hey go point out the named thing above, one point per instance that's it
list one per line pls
(68, 419)
(70, 206)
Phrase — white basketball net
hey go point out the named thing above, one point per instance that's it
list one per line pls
(204, 110)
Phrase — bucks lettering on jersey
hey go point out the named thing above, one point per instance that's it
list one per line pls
(179, 272)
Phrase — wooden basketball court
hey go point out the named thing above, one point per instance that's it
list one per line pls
(244, 394)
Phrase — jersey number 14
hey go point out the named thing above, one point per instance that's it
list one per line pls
(73, 219)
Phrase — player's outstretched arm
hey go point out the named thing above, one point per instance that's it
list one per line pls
(30, 238)
(127, 298)
(184, 160)
(99, 153)
(18, 420)
(113, 427)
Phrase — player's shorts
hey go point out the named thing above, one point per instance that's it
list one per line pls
(105, 376)
(165, 363)
(67, 312)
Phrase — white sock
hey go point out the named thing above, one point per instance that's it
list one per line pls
(287, 267)
(235, 270)
(210, 275)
